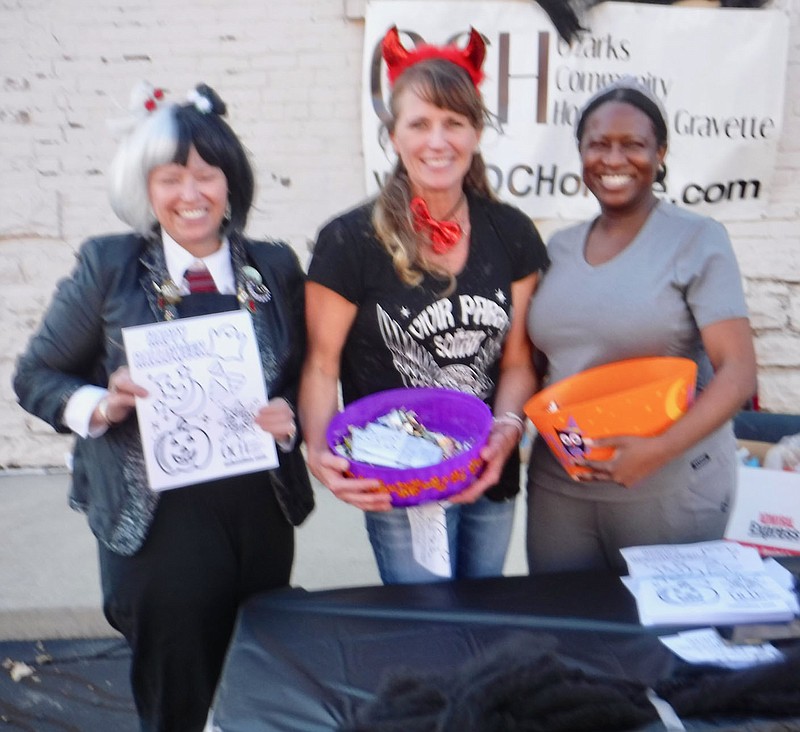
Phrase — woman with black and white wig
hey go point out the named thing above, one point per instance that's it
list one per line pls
(174, 565)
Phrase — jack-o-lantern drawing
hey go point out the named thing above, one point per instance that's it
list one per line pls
(183, 449)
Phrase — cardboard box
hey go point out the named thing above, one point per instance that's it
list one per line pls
(766, 511)
(756, 448)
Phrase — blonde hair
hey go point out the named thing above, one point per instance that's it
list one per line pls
(447, 86)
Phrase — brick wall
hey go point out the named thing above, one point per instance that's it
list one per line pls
(290, 73)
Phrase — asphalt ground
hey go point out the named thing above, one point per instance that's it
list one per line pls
(64, 669)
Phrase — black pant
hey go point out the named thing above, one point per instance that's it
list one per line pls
(210, 546)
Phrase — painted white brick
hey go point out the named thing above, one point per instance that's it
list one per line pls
(794, 309)
(779, 349)
(767, 302)
(294, 97)
(778, 390)
(765, 258)
(30, 211)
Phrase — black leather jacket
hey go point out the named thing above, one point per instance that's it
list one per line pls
(80, 342)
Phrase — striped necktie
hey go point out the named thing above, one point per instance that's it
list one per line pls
(199, 279)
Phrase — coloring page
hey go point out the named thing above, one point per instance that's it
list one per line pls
(205, 384)
(702, 558)
(710, 600)
(709, 582)
(706, 645)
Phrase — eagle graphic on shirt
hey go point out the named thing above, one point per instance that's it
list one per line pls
(417, 366)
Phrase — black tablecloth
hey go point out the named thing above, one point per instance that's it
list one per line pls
(306, 660)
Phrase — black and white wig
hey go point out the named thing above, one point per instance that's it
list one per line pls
(166, 135)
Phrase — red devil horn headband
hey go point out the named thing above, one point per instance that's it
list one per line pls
(398, 58)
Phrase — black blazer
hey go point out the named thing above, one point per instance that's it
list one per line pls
(79, 342)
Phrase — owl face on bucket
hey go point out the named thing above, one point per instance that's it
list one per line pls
(573, 442)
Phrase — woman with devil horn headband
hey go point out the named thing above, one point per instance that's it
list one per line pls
(435, 239)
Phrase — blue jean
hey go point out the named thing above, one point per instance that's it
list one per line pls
(478, 535)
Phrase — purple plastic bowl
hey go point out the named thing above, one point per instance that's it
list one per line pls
(454, 413)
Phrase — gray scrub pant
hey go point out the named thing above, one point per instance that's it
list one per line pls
(569, 533)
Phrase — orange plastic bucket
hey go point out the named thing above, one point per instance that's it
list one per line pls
(639, 396)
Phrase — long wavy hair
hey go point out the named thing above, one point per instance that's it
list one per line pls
(446, 86)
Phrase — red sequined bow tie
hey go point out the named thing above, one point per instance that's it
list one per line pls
(444, 235)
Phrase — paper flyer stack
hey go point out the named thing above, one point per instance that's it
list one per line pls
(709, 583)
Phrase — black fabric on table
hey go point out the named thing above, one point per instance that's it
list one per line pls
(317, 661)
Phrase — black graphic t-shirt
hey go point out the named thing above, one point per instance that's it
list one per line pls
(414, 336)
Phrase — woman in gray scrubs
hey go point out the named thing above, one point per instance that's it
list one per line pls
(644, 278)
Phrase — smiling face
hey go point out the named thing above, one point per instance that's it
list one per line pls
(436, 145)
(620, 156)
(189, 202)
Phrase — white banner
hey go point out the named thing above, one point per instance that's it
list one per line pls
(720, 73)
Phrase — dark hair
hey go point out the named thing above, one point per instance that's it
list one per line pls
(629, 96)
(219, 146)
